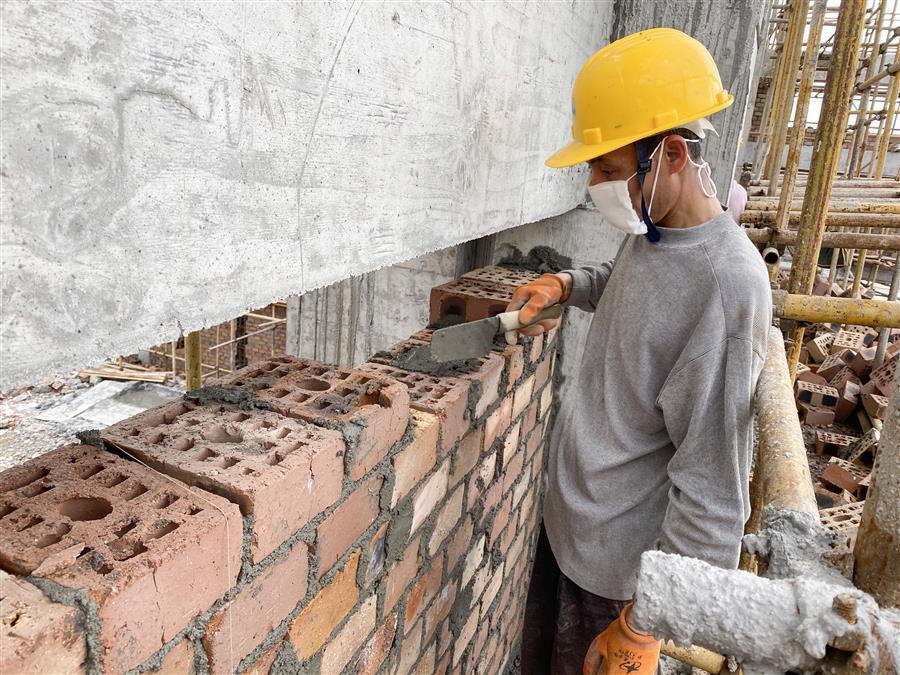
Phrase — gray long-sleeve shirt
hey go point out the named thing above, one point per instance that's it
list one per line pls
(653, 449)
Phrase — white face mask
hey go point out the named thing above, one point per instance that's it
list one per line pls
(612, 200)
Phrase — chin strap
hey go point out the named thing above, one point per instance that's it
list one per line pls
(643, 168)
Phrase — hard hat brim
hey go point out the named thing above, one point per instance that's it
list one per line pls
(577, 152)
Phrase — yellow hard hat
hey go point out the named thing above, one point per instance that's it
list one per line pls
(639, 86)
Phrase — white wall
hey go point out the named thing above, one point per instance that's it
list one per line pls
(166, 166)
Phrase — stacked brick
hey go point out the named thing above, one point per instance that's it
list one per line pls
(842, 400)
(294, 517)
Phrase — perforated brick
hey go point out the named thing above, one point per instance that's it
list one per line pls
(502, 276)
(828, 443)
(875, 405)
(815, 416)
(843, 376)
(87, 519)
(371, 411)
(281, 470)
(820, 347)
(842, 519)
(848, 340)
(468, 300)
(847, 402)
(883, 376)
(863, 449)
(861, 363)
(833, 364)
(815, 394)
(487, 370)
(444, 397)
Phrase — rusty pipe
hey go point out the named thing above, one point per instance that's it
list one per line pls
(857, 219)
(819, 309)
(873, 242)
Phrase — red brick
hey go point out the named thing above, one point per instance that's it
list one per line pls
(875, 405)
(542, 374)
(490, 498)
(426, 663)
(815, 416)
(522, 486)
(491, 591)
(409, 649)
(522, 396)
(439, 610)
(179, 660)
(488, 375)
(308, 632)
(534, 442)
(424, 590)
(468, 299)
(374, 410)
(282, 471)
(467, 455)
(514, 356)
(510, 445)
(445, 397)
(810, 376)
(375, 651)
(546, 402)
(414, 462)
(512, 470)
(509, 532)
(245, 621)
(38, 636)
(498, 422)
(816, 394)
(263, 664)
(465, 636)
(473, 560)
(530, 418)
(444, 665)
(537, 348)
(87, 519)
(447, 519)
(429, 495)
(861, 363)
(459, 543)
(341, 648)
(502, 276)
(445, 638)
(833, 364)
(400, 575)
(346, 523)
(481, 478)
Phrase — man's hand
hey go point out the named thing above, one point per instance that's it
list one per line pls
(620, 650)
(530, 299)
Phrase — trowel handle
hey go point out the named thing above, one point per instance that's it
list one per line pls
(510, 320)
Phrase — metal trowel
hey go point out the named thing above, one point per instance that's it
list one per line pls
(474, 339)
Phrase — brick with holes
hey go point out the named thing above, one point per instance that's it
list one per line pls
(371, 411)
(468, 300)
(875, 405)
(861, 362)
(87, 519)
(829, 443)
(281, 470)
(486, 371)
(502, 276)
(883, 377)
(819, 348)
(848, 401)
(445, 397)
(843, 376)
(848, 340)
(863, 450)
(833, 364)
(816, 394)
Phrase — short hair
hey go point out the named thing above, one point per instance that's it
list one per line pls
(694, 149)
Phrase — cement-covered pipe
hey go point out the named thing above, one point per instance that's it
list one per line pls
(751, 217)
(819, 309)
(781, 458)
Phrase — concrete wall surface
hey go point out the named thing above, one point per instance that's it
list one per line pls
(166, 166)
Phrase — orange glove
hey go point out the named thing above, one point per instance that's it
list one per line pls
(545, 291)
(619, 650)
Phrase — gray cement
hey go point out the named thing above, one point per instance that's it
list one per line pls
(168, 166)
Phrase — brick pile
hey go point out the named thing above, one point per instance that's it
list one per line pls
(842, 400)
(293, 517)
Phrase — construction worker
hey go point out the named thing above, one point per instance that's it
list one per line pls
(653, 448)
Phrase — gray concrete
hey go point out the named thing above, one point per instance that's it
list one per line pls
(730, 30)
(166, 166)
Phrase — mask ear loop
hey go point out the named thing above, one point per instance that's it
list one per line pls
(644, 155)
(700, 167)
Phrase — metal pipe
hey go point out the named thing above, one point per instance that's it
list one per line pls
(819, 309)
(884, 141)
(875, 242)
(890, 220)
(877, 552)
(887, 206)
(890, 70)
(885, 333)
(843, 183)
(781, 458)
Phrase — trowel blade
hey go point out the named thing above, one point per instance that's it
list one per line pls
(470, 340)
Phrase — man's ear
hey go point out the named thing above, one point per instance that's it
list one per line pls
(676, 151)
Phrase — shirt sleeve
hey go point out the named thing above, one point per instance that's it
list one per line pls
(587, 285)
(707, 408)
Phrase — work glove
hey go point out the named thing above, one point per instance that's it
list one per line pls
(619, 650)
(545, 291)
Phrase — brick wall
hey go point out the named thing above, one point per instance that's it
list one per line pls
(299, 518)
